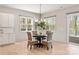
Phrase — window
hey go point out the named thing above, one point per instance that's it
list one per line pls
(51, 22)
(26, 23)
(74, 24)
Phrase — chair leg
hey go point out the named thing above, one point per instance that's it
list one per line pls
(30, 47)
(47, 48)
(27, 45)
(51, 46)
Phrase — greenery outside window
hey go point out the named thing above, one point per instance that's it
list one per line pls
(51, 21)
(74, 25)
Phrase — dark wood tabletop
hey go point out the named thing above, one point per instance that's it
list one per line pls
(40, 37)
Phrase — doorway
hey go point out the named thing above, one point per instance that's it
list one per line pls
(73, 27)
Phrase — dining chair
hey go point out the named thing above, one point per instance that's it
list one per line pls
(48, 43)
(33, 34)
(49, 38)
(30, 42)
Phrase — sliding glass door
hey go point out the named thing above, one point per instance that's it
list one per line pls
(74, 25)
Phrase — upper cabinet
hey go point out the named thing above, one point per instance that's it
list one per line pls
(3, 20)
(11, 20)
(6, 20)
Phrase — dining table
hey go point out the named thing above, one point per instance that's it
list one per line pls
(40, 38)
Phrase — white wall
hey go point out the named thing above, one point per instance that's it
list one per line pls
(20, 36)
(61, 33)
(61, 21)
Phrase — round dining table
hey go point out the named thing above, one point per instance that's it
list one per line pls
(39, 38)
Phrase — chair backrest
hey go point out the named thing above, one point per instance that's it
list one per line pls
(29, 36)
(49, 35)
(34, 32)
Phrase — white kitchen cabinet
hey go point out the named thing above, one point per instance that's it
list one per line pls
(8, 30)
(11, 21)
(11, 38)
(7, 33)
(4, 19)
(4, 39)
(7, 38)
(1, 39)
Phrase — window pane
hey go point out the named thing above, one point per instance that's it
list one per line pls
(51, 22)
(26, 23)
(74, 24)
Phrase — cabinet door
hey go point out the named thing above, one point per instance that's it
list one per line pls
(4, 39)
(11, 38)
(8, 30)
(1, 39)
(11, 20)
(4, 20)
(7, 39)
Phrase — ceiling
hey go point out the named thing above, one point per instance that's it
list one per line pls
(36, 7)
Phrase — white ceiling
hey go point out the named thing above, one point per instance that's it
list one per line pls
(36, 7)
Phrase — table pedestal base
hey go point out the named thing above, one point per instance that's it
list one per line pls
(40, 45)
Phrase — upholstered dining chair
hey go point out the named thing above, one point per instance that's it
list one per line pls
(48, 43)
(30, 42)
(34, 33)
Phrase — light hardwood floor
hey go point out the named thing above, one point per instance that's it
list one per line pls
(20, 48)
